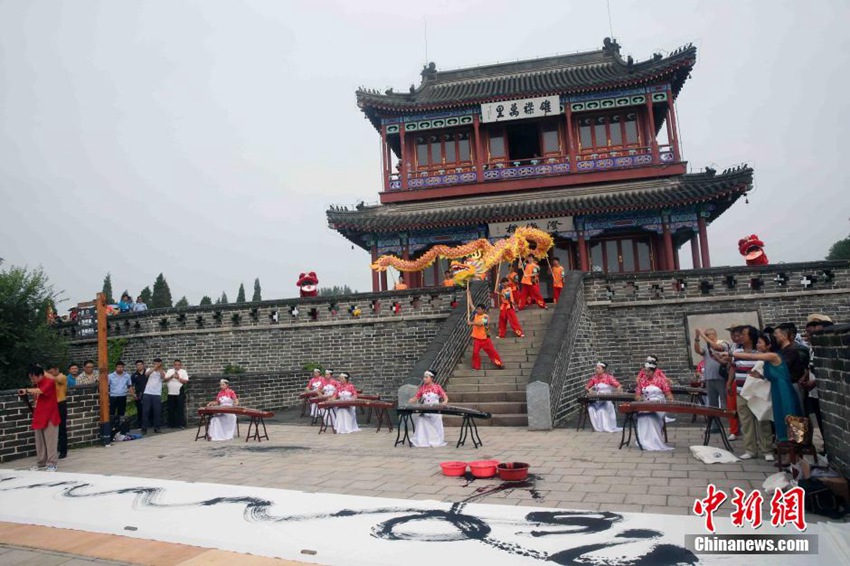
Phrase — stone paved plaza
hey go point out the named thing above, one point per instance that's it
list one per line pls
(583, 470)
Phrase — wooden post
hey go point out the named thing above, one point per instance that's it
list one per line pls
(652, 138)
(403, 160)
(385, 157)
(479, 156)
(570, 145)
(668, 247)
(383, 281)
(438, 282)
(582, 253)
(695, 251)
(103, 370)
(375, 281)
(673, 132)
(703, 242)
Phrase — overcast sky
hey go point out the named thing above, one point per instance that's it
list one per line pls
(205, 139)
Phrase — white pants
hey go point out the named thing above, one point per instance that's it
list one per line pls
(429, 430)
(603, 417)
(346, 420)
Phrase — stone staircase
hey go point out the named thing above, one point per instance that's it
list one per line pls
(500, 392)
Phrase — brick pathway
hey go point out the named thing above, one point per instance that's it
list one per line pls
(571, 469)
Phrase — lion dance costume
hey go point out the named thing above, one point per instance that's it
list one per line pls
(752, 248)
(308, 282)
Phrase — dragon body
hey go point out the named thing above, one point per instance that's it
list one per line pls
(474, 259)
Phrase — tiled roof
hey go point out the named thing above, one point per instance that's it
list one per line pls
(720, 189)
(564, 74)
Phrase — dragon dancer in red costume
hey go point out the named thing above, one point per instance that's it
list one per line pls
(507, 310)
(558, 274)
(481, 339)
(531, 284)
(752, 248)
(514, 277)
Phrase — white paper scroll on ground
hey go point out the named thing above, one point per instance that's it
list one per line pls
(368, 531)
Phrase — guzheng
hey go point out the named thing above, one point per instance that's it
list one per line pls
(446, 410)
(255, 416)
(594, 397)
(381, 408)
(467, 427)
(675, 407)
(713, 417)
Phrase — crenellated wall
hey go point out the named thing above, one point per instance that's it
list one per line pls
(378, 348)
(832, 368)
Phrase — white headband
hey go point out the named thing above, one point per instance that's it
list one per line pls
(430, 374)
(601, 364)
(224, 381)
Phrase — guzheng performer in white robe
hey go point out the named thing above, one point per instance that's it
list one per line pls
(429, 426)
(602, 415)
(652, 386)
(223, 426)
(315, 384)
(329, 389)
(346, 417)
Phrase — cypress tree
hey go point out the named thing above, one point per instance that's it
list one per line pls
(205, 300)
(258, 294)
(107, 289)
(161, 297)
(240, 296)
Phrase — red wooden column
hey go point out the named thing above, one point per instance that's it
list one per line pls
(437, 277)
(570, 147)
(404, 161)
(668, 247)
(479, 154)
(384, 283)
(376, 284)
(695, 251)
(385, 158)
(672, 130)
(408, 277)
(651, 119)
(703, 242)
(582, 252)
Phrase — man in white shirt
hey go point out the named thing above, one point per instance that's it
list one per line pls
(175, 378)
(152, 398)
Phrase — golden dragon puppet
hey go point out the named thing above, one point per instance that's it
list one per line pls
(478, 256)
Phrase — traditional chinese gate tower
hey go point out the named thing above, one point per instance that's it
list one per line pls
(584, 146)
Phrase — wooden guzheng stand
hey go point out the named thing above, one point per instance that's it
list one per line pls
(256, 416)
(381, 408)
(467, 428)
(712, 414)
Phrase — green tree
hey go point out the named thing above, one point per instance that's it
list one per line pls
(240, 296)
(107, 289)
(222, 300)
(146, 295)
(335, 290)
(25, 336)
(183, 302)
(161, 297)
(839, 250)
(205, 300)
(258, 292)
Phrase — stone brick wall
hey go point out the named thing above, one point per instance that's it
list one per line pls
(379, 348)
(832, 367)
(267, 391)
(16, 437)
(552, 383)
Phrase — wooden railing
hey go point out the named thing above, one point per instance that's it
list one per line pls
(549, 165)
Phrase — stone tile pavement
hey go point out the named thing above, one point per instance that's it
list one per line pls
(579, 470)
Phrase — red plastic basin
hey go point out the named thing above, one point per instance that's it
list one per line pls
(453, 469)
(483, 468)
(512, 471)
